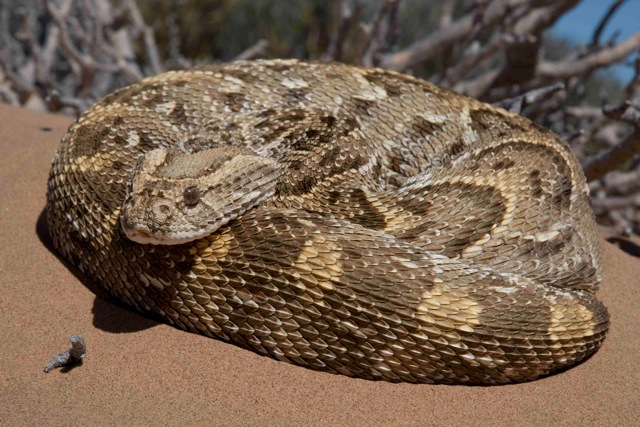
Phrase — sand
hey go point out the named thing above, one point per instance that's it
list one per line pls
(138, 371)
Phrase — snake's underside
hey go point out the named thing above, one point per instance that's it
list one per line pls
(350, 220)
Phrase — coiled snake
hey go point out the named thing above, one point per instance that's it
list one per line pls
(356, 221)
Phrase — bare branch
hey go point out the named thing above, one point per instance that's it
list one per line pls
(430, 47)
(595, 39)
(616, 203)
(258, 50)
(151, 47)
(564, 69)
(613, 158)
(446, 13)
(346, 21)
(455, 74)
(533, 98)
(523, 45)
(377, 34)
(632, 91)
(622, 182)
(626, 112)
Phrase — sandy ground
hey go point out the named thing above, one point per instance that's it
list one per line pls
(138, 371)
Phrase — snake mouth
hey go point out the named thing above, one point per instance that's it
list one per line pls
(134, 226)
(145, 238)
(160, 222)
(140, 233)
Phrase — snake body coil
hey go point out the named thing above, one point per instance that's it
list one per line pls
(350, 220)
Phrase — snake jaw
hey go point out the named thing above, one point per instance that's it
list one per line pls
(155, 224)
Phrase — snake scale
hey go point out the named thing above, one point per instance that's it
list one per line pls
(356, 221)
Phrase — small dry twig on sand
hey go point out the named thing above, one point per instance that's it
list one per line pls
(74, 355)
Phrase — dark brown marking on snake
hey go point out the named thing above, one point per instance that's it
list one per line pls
(475, 211)
(396, 162)
(549, 247)
(455, 149)
(329, 120)
(117, 165)
(92, 137)
(535, 184)
(120, 140)
(240, 75)
(366, 213)
(295, 165)
(146, 143)
(352, 161)
(388, 85)
(350, 124)
(297, 94)
(305, 185)
(180, 83)
(562, 196)
(426, 128)
(269, 112)
(178, 114)
(275, 126)
(330, 157)
(154, 92)
(278, 67)
(297, 188)
(197, 143)
(184, 266)
(300, 144)
(314, 137)
(503, 165)
(483, 121)
(121, 95)
(233, 100)
(363, 105)
(311, 133)
(334, 76)
(310, 139)
(333, 197)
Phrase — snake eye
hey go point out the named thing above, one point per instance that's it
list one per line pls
(191, 196)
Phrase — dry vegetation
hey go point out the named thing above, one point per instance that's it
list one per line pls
(62, 55)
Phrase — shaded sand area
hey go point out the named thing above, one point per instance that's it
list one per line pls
(138, 371)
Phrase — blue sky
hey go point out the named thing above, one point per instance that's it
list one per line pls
(581, 21)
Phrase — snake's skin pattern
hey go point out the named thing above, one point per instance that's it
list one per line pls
(358, 221)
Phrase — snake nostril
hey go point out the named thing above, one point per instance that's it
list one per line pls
(162, 212)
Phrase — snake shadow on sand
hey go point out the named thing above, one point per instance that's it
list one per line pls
(109, 314)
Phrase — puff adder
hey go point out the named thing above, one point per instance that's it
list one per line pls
(350, 220)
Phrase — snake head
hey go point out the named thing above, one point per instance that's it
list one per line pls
(177, 197)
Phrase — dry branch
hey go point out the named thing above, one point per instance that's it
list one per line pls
(627, 149)
(600, 58)
(424, 50)
(348, 15)
(258, 50)
(595, 39)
